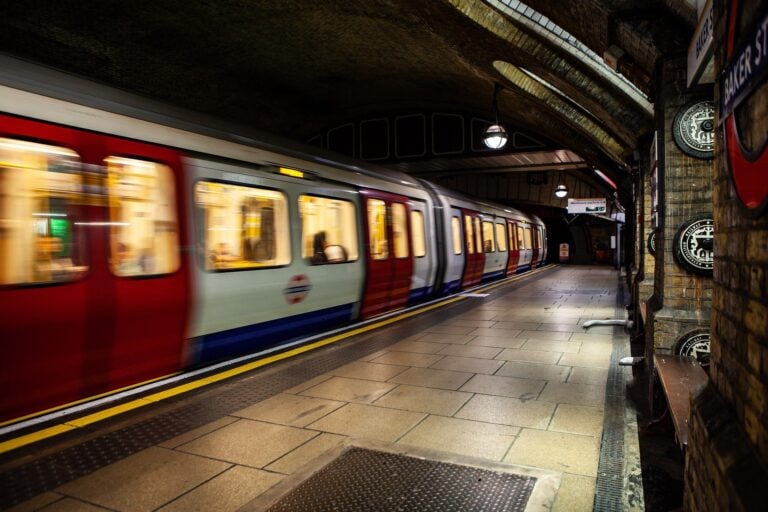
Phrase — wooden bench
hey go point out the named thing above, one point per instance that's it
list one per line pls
(680, 377)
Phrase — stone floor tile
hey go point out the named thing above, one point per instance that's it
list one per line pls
(475, 351)
(145, 480)
(590, 337)
(450, 329)
(198, 432)
(496, 341)
(578, 419)
(507, 411)
(248, 442)
(534, 371)
(36, 503)
(575, 394)
(366, 421)
(524, 389)
(520, 326)
(576, 494)
(492, 331)
(308, 384)
(597, 349)
(471, 323)
(545, 335)
(291, 410)
(468, 364)
(227, 492)
(301, 456)
(477, 314)
(463, 437)
(455, 339)
(421, 347)
(552, 346)
(594, 376)
(569, 453)
(588, 360)
(70, 505)
(569, 327)
(349, 390)
(427, 377)
(407, 359)
(530, 356)
(368, 371)
(428, 400)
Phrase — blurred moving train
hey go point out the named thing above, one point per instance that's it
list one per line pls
(135, 243)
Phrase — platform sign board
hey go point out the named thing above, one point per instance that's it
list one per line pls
(589, 205)
(564, 253)
(700, 62)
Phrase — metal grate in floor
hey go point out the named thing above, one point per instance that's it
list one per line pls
(368, 480)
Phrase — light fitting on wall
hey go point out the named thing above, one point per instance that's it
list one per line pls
(561, 191)
(495, 136)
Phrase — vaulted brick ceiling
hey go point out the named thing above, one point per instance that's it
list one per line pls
(296, 67)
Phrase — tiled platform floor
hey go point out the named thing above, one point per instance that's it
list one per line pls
(515, 380)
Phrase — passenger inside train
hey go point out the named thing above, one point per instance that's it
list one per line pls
(325, 252)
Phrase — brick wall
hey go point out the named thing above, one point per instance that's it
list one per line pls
(726, 467)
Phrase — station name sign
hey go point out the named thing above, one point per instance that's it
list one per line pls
(700, 68)
(595, 205)
(747, 65)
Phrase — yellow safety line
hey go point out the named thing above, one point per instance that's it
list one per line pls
(90, 419)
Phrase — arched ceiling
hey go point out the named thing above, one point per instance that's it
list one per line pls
(297, 67)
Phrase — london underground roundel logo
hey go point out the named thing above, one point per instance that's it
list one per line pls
(694, 345)
(297, 289)
(694, 245)
(740, 92)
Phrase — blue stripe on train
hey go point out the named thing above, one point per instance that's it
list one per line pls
(252, 338)
(523, 268)
(419, 294)
(451, 287)
(493, 275)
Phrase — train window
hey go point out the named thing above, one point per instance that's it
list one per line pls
(488, 245)
(470, 235)
(41, 236)
(512, 237)
(417, 234)
(400, 230)
(244, 227)
(456, 232)
(478, 236)
(377, 229)
(528, 244)
(501, 237)
(538, 237)
(328, 230)
(520, 239)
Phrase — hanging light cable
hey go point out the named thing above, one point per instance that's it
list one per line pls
(495, 136)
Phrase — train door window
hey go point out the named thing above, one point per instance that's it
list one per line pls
(400, 230)
(520, 239)
(478, 236)
(244, 227)
(538, 237)
(328, 230)
(143, 227)
(456, 232)
(41, 238)
(470, 235)
(528, 244)
(501, 237)
(377, 229)
(417, 234)
(488, 245)
(512, 237)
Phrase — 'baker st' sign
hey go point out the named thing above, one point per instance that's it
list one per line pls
(746, 69)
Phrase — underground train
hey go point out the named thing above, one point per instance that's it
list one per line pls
(135, 243)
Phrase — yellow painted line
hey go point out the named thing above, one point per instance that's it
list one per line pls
(34, 437)
(110, 412)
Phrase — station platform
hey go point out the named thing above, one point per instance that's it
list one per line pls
(498, 399)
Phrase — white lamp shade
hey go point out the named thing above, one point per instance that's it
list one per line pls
(561, 191)
(495, 136)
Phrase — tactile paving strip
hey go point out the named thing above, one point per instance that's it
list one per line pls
(367, 480)
(46, 473)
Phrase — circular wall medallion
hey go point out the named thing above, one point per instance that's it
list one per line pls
(694, 129)
(694, 245)
(694, 345)
(652, 243)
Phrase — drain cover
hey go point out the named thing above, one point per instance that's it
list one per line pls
(368, 480)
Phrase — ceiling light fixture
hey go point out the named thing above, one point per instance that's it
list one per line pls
(561, 191)
(495, 136)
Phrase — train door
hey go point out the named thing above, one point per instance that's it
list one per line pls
(146, 272)
(389, 252)
(514, 248)
(525, 245)
(423, 259)
(475, 258)
(536, 250)
(502, 246)
(454, 250)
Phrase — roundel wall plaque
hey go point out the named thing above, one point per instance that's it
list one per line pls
(694, 245)
(694, 129)
(652, 243)
(694, 345)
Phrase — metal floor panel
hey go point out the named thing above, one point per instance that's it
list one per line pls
(367, 480)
